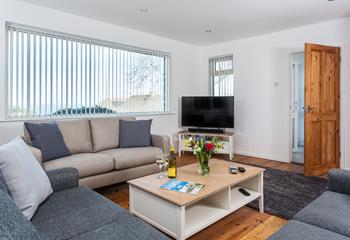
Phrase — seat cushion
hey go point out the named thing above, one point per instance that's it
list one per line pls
(88, 164)
(133, 157)
(298, 230)
(72, 212)
(13, 224)
(330, 211)
(126, 227)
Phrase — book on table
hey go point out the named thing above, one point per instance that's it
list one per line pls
(183, 186)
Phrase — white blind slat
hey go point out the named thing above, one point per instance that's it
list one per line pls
(57, 75)
(221, 75)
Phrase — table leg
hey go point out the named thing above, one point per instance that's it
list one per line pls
(180, 232)
(261, 191)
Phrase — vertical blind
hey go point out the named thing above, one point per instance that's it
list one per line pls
(221, 75)
(54, 74)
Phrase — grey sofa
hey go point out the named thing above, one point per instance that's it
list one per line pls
(327, 217)
(72, 212)
(94, 145)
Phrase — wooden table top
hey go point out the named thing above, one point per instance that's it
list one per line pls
(218, 179)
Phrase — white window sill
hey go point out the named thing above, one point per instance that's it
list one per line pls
(88, 116)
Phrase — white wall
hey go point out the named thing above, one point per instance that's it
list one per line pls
(262, 109)
(184, 66)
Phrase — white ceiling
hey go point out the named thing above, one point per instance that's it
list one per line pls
(187, 20)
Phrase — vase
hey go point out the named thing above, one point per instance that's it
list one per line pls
(203, 163)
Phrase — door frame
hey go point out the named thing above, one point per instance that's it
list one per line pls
(344, 99)
(290, 103)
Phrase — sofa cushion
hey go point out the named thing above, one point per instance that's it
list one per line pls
(13, 224)
(135, 133)
(72, 212)
(25, 179)
(125, 227)
(294, 230)
(330, 211)
(48, 138)
(104, 133)
(133, 157)
(76, 134)
(88, 164)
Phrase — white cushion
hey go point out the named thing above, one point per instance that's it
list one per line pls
(27, 182)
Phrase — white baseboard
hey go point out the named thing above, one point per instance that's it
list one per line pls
(265, 156)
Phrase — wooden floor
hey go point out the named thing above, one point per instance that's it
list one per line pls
(246, 223)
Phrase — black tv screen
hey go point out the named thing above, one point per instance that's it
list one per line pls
(208, 112)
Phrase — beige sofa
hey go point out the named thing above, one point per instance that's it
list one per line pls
(94, 143)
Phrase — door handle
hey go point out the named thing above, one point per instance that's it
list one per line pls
(308, 109)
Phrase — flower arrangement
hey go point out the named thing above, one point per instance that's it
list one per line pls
(203, 148)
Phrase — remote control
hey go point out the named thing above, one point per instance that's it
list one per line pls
(244, 192)
(233, 170)
(241, 169)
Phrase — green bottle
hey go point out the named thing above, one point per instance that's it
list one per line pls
(172, 169)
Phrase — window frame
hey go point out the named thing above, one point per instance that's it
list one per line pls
(211, 76)
(37, 31)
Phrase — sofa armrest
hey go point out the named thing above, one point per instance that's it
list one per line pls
(37, 153)
(161, 141)
(339, 181)
(63, 178)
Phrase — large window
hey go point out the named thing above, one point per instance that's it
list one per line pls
(221, 75)
(54, 74)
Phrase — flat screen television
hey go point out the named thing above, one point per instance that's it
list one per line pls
(207, 112)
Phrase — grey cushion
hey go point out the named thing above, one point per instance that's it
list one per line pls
(135, 133)
(48, 138)
(88, 164)
(126, 227)
(76, 134)
(295, 230)
(72, 212)
(133, 157)
(330, 211)
(13, 224)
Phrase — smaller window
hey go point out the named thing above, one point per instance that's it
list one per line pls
(221, 75)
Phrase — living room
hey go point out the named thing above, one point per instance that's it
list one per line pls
(187, 48)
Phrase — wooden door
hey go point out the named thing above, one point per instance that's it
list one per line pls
(322, 109)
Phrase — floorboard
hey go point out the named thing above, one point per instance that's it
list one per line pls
(245, 224)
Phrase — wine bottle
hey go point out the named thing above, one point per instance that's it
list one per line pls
(172, 170)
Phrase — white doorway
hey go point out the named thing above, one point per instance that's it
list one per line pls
(297, 107)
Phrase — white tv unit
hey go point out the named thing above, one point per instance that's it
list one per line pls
(226, 138)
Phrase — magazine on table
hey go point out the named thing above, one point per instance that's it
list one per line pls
(183, 186)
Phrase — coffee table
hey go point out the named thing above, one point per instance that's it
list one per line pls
(181, 215)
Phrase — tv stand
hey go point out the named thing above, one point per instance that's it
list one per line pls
(225, 137)
(206, 130)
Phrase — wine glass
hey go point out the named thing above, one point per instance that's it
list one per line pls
(160, 164)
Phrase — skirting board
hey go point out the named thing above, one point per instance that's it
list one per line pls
(269, 157)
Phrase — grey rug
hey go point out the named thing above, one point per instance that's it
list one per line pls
(286, 193)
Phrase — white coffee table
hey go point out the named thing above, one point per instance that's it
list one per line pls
(181, 215)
